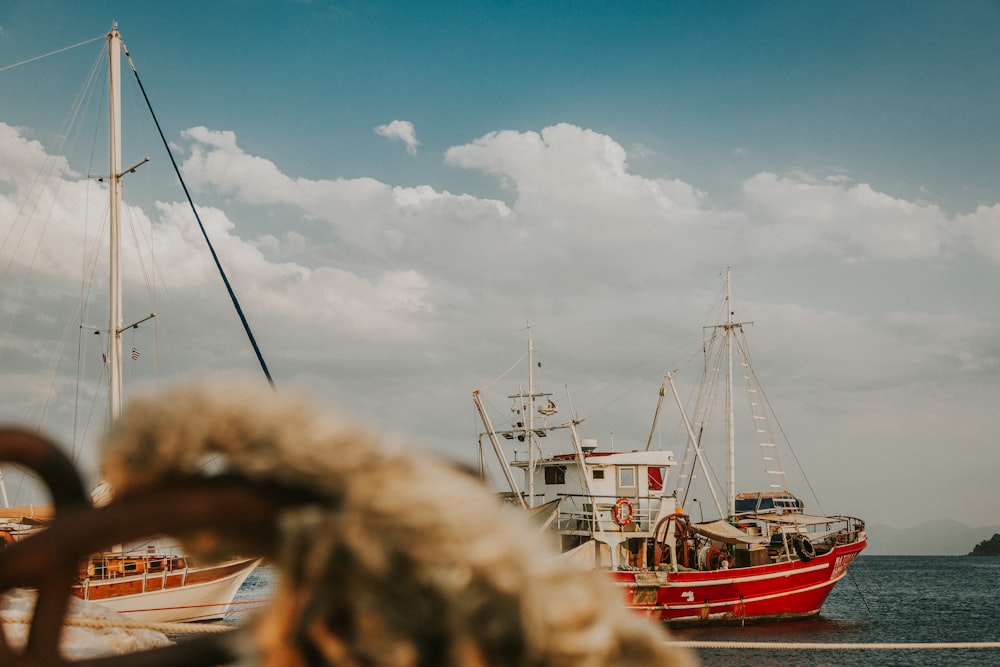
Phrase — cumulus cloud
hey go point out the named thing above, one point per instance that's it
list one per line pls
(577, 178)
(979, 231)
(574, 198)
(396, 299)
(798, 213)
(369, 302)
(373, 223)
(400, 130)
(565, 178)
(376, 306)
(22, 158)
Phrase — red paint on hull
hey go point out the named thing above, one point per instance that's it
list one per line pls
(774, 591)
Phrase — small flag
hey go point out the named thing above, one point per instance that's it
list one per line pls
(135, 354)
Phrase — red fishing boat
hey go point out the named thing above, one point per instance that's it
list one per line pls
(763, 559)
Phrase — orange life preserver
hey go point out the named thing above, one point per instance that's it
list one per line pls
(623, 512)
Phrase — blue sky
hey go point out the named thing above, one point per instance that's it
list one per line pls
(591, 167)
(891, 91)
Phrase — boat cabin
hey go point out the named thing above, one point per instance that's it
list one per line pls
(604, 506)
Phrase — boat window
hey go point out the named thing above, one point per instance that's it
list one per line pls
(555, 474)
(598, 474)
(654, 477)
(626, 477)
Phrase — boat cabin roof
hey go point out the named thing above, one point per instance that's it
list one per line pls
(605, 459)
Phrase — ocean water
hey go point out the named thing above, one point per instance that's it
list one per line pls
(884, 599)
(255, 593)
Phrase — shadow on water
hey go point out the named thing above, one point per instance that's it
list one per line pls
(887, 600)
(819, 629)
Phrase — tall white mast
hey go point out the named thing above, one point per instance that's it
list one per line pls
(115, 176)
(526, 410)
(730, 420)
(531, 421)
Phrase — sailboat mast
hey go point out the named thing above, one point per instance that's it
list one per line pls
(114, 178)
(531, 421)
(730, 419)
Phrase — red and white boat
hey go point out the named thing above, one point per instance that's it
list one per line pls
(764, 559)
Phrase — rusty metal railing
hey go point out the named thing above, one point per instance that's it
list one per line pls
(48, 560)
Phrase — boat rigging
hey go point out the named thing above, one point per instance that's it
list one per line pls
(762, 559)
(143, 579)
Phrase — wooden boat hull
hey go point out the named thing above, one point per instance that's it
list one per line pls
(771, 592)
(179, 596)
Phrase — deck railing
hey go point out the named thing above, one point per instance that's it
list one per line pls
(589, 513)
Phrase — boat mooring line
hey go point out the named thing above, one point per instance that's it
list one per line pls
(834, 646)
(100, 623)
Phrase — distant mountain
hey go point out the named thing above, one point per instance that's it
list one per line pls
(990, 547)
(944, 537)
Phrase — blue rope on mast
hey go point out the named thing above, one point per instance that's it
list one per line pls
(211, 248)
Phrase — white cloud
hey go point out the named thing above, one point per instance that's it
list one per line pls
(397, 300)
(21, 158)
(979, 231)
(401, 130)
(798, 213)
(415, 228)
(376, 307)
(576, 179)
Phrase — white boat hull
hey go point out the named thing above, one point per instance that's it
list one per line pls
(197, 594)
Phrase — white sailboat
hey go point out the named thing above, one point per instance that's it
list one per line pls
(144, 581)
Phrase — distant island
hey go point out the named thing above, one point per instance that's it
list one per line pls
(937, 537)
(990, 547)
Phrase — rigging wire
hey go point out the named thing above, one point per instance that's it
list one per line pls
(32, 200)
(194, 210)
(767, 416)
(30, 203)
(51, 53)
(504, 374)
(91, 260)
(34, 193)
(86, 283)
(788, 444)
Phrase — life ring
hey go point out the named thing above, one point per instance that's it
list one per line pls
(803, 548)
(6, 539)
(623, 512)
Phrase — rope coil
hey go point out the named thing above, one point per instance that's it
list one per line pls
(101, 623)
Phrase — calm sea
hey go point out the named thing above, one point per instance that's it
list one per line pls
(884, 599)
